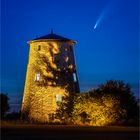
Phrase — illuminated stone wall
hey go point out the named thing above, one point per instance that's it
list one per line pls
(54, 62)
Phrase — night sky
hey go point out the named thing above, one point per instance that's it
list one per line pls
(110, 51)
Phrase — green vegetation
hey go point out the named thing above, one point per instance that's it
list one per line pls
(64, 112)
(112, 103)
(97, 110)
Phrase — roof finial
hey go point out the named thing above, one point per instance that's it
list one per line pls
(51, 31)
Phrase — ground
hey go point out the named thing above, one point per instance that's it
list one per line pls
(67, 132)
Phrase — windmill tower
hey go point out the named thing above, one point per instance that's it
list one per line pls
(51, 74)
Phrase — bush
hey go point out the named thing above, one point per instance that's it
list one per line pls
(112, 103)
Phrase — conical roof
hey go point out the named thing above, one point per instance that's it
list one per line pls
(52, 36)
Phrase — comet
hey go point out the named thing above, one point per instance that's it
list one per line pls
(95, 26)
(98, 20)
(103, 13)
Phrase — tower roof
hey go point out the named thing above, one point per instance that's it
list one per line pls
(53, 36)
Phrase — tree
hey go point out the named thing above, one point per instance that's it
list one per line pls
(97, 110)
(126, 97)
(4, 105)
(111, 103)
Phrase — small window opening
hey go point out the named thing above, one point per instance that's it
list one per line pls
(39, 47)
(58, 98)
(74, 77)
(38, 77)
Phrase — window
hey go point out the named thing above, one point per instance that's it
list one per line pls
(58, 98)
(38, 77)
(39, 47)
(74, 77)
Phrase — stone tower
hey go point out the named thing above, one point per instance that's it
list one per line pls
(51, 74)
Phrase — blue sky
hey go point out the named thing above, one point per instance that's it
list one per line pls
(111, 51)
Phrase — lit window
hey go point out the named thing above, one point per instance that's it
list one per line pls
(74, 77)
(58, 98)
(38, 77)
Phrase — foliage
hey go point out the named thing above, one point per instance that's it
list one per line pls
(111, 103)
(65, 109)
(97, 111)
(4, 105)
(123, 92)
